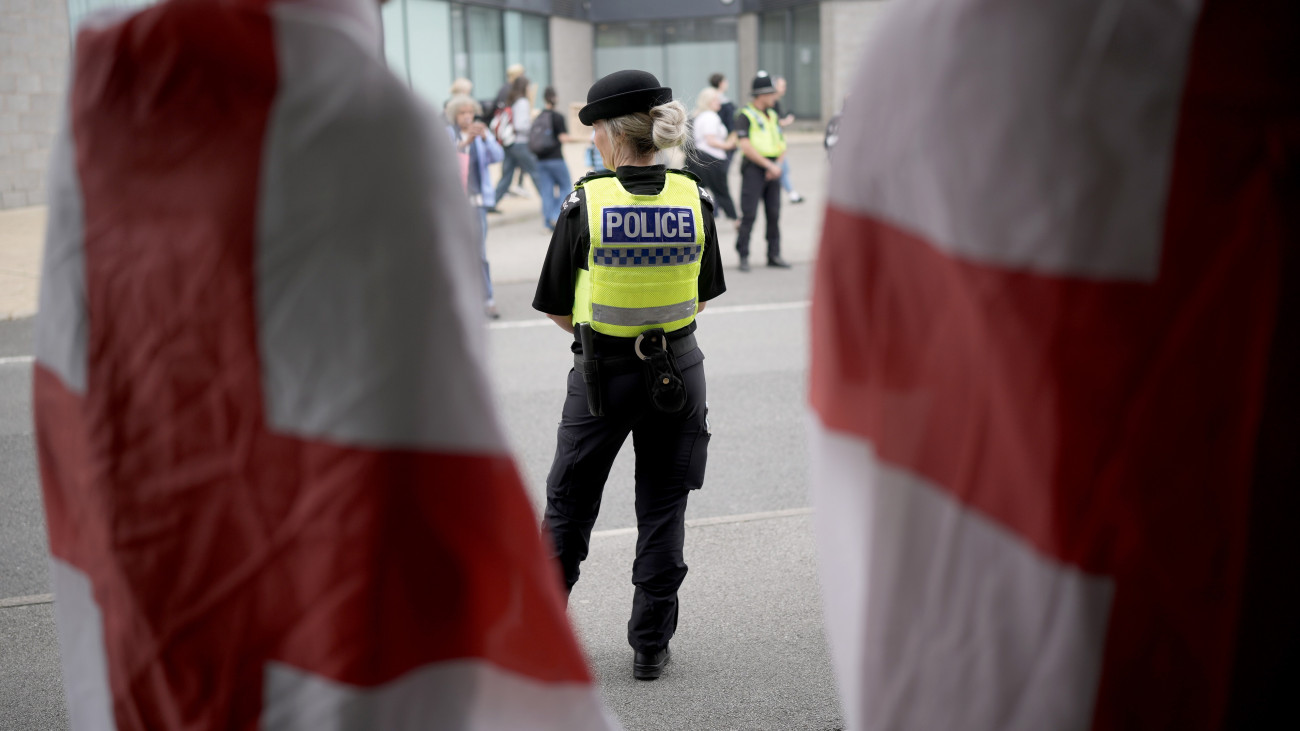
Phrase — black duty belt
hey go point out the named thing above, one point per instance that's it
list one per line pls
(630, 362)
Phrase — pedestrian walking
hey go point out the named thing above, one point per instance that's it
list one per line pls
(477, 149)
(759, 136)
(513, 71)
(633, 259)
(712, 141)
(277, 491)
(546, 139)
(786, 120)
(518, 114)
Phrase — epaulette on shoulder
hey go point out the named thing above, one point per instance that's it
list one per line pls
(706, 197)
(573, 200)
(594, 174)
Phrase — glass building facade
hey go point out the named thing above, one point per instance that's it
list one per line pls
(789, 45)
(79, 9)
(681, 53)
(429, 43)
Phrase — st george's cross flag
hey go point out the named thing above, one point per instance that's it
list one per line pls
(1055, 368)
(277, 492)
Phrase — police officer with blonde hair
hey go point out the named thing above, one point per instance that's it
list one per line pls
(632, 261)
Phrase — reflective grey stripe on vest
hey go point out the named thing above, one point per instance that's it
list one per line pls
(638, 316)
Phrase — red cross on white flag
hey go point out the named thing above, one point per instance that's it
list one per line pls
(1053, 363)
(277, 492)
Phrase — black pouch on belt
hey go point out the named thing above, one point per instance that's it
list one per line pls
(590, 369)
(663, 377)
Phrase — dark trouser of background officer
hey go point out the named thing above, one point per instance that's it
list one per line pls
(633, 259)
(755, 187)
(758, 133)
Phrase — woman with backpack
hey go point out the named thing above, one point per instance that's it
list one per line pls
(512, 133)
(546, 139)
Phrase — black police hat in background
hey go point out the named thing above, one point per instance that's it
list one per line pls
(623, 92)
(762, 85)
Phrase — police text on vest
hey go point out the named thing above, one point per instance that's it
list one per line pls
(647, 224)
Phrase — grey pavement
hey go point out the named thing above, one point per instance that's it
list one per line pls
(749, 652)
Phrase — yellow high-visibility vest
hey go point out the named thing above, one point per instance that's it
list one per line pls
(764, 132)
(643, 265)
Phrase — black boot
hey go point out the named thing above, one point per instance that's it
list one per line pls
(648, 666)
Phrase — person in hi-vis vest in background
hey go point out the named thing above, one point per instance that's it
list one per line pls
(758, 132)
(633, 259)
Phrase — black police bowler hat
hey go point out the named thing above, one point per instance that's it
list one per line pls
(623, 92)
(762, 84)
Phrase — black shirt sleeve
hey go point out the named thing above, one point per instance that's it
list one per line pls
(711, 282)
(566, 255)
(741, 127)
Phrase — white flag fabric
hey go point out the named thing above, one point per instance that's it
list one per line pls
(1053, 368)
(277, 492)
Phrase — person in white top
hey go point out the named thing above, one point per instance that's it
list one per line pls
(712, 141)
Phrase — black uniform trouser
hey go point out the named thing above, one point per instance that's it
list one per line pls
(754, 186)
(671, 450)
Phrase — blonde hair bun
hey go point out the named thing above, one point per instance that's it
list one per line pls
(669, 125)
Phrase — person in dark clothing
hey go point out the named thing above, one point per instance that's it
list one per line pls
(633, 259)
(727, 110)
(553, 180)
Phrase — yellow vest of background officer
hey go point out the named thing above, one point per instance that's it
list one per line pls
(764, 132)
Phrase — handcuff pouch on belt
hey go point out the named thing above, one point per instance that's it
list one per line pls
(663, 378)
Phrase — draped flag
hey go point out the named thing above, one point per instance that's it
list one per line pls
(277, 492)
(1054, 365)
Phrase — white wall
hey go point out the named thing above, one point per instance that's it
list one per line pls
(572, 64)
(747, 39)
(34, 52)
(846, 27)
